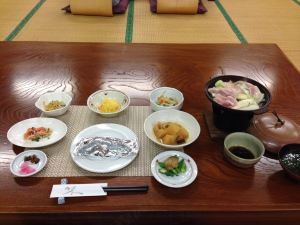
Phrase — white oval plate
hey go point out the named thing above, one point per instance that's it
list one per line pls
(16, 163)
(176, 181)
(103, 130)
(16, 132)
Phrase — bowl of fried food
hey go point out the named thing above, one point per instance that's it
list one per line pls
(172, 128)
(54, 103)
(108, 103)
(166, 98)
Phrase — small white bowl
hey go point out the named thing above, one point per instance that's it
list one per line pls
(97, 97)
(171, 115)
(54, 96)
(168, 92)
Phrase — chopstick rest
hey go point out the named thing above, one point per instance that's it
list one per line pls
(61, 200)
(95, 189)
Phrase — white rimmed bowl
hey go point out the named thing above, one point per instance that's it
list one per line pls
(54, 96)
(97, 97)
(171, 115)
(168, 92)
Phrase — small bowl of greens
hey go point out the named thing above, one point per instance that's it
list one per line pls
(289, 158)
(172, 166)
(174, 169)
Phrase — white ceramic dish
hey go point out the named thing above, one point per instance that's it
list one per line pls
(16, 132)
(171, 115)
(176, 181)
(54, 96)
(16, 163)
(168, 92)
(103, 165)
(96, 98)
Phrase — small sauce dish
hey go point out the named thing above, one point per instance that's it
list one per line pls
(243, 149)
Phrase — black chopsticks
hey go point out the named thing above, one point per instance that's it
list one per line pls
(142, 188)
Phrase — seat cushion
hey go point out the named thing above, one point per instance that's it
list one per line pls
(117, 9)
(201, 7)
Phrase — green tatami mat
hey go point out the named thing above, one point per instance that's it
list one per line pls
(11, 13)
(268, 21)
(161, 28)
(50, 23)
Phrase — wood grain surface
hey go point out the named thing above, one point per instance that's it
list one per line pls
(221, 194)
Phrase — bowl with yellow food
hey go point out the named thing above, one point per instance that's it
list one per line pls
(108, 103)
(54, 104)
(172, 128)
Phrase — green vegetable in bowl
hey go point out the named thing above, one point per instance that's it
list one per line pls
(219, 83)
(172, 166)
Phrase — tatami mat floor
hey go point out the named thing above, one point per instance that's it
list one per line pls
(50, 23)
(227, 21)
(269, 21)
(11, 13)
(207, 28)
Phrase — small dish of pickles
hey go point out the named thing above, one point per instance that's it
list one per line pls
(174, 169)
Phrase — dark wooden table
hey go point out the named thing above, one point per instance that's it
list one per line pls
(221, 194)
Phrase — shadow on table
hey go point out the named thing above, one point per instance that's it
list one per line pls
(18, 149)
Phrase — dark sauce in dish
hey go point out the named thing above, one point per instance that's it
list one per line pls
(292, 162)
(241, 152)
